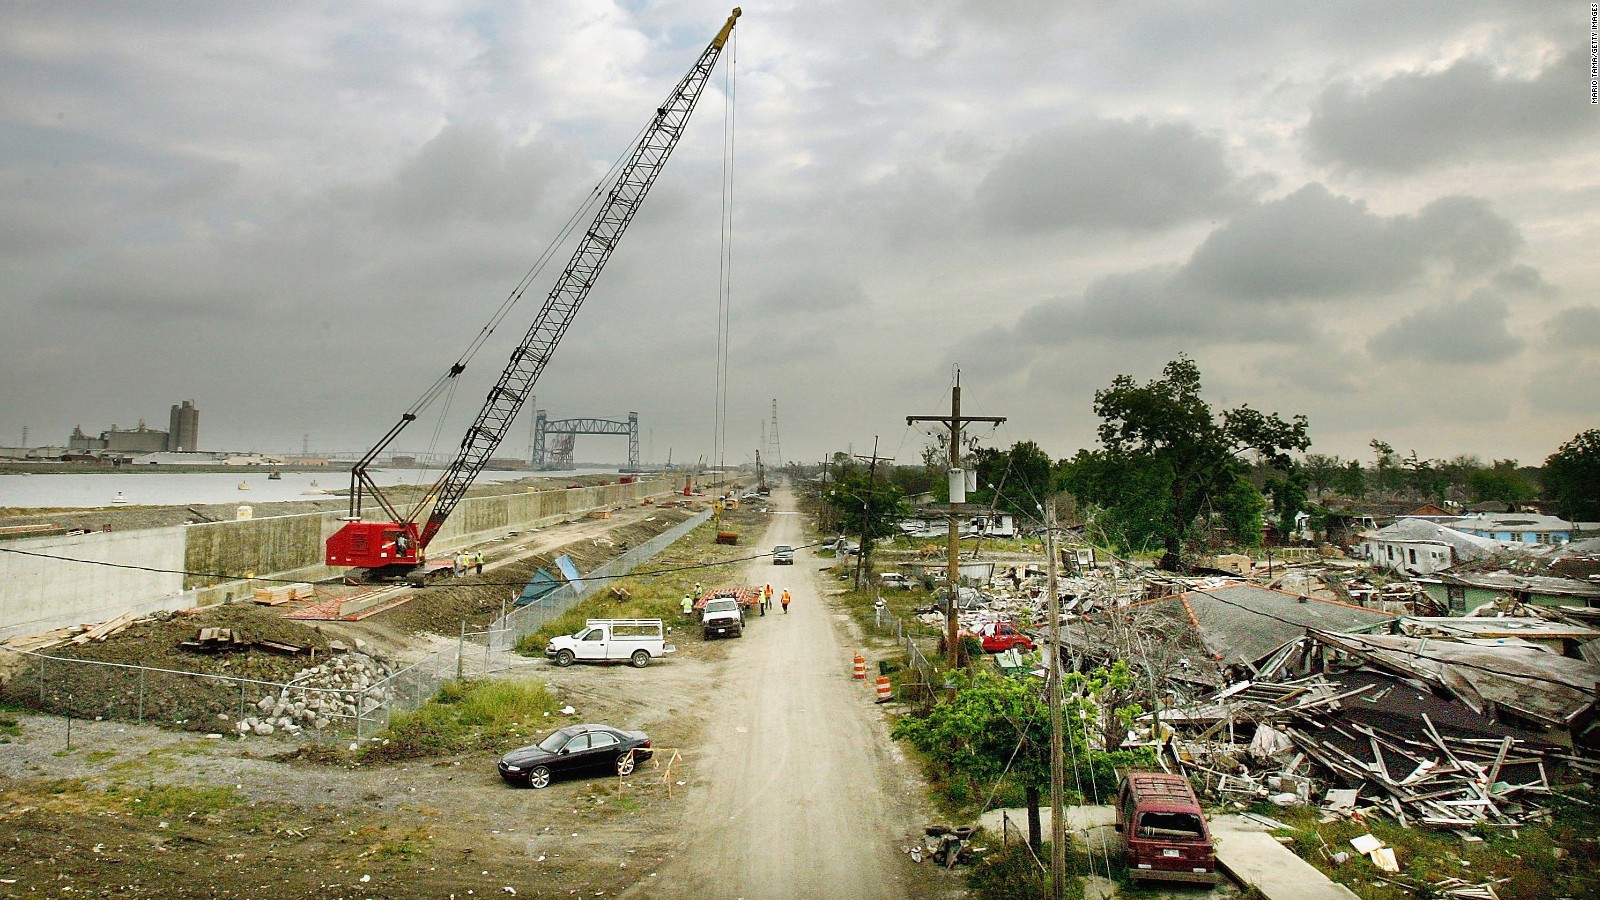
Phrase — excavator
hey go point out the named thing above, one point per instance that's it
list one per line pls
(395, 545)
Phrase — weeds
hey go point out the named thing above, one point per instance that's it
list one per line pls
(466, 715)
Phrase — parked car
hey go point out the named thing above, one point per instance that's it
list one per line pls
(895, 581)
(783, 555)
(576, 750)
(634, 641)
(1164, 833)
(997, 637)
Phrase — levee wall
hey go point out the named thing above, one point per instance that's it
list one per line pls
(85, 578)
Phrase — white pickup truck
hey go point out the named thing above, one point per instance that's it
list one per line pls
(635, 641)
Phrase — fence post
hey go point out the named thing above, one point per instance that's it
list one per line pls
(241, 699)
(461, 649)
(141, 696)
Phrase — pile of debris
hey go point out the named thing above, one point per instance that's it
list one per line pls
(339, 689)
(1398, 750)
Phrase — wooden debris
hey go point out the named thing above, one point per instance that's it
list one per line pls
(105, 629)
(31, 643)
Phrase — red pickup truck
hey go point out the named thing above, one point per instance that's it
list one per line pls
(998, 637)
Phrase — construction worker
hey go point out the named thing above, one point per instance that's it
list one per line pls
(766, 597)
(688, 606)
(477, 561)
(786, 601)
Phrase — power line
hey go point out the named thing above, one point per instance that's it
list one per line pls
(454, 583)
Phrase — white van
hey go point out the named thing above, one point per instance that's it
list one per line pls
(635, 641)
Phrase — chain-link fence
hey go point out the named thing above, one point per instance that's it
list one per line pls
(887, 623)
(195, 701)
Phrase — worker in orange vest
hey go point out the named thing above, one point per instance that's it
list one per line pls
(786, 601)
(766, 598)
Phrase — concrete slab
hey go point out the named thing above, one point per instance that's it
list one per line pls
(1256, 860)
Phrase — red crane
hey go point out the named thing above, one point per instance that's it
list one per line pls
(397, 543)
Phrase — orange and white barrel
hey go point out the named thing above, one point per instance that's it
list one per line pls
(861, 667)
(885, 691)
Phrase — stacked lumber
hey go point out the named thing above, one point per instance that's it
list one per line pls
(106, 629)
(283, 593)
(211, 640)
(30, 643)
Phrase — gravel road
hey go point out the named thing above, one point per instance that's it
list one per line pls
(800, 791)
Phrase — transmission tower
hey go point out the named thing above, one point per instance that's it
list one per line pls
(777, 446)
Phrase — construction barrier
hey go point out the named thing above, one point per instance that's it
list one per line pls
(861, 667)
(885, 691)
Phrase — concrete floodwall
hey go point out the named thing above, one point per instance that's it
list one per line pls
(210, 562)
(42, 587)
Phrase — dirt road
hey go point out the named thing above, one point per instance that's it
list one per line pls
(800, 792)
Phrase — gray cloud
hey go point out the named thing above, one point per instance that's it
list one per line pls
(1468, 111)
(1577, 328)
(1315, 244)
(1471, 332)
(1107, 174)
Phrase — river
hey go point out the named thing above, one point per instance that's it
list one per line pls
(251, 485)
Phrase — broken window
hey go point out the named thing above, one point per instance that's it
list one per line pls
(1171, 826)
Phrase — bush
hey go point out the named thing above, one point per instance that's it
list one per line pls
(1011, 874)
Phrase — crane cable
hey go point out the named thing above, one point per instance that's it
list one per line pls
(447, 380)
(719, 439)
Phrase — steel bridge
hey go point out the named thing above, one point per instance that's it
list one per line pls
(543, 426)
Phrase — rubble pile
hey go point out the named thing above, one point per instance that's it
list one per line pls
(318, 696)
(1398, 751)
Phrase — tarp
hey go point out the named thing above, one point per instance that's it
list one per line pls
(542, 585)
(565, 564)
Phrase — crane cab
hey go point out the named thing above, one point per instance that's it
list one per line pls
(374, 545)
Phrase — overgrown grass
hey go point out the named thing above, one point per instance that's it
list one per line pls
(1009, 873)
(695, 557)
(176, 801)
(1427, 855)
(10, 725)
(464, 716)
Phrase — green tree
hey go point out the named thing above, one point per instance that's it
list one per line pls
(1387, 476)
(1426, 478)
(1502, 481)
(866, 505)
(1289, 496)
(1351, 481)
(995, 727)
(1015, 481)
(1322, 473)
(1571, 477)
(1163, 431)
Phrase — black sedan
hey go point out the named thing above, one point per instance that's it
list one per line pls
(576, 750)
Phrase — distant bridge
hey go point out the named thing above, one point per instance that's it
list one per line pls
(559, 454)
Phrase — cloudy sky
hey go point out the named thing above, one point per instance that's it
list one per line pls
(1381, 215)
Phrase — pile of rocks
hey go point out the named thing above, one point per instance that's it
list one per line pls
(317, 697)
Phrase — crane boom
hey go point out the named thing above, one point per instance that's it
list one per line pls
(399, 542)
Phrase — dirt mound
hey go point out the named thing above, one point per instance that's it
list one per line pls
(195, 703)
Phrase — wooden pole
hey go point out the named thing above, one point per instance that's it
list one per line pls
(1058, 825)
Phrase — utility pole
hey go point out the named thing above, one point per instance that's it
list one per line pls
(1058, 777)
(866, 516)
(954, 421)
